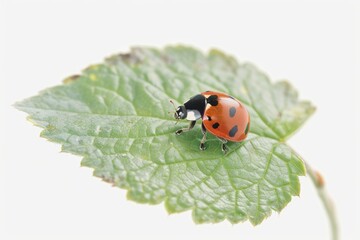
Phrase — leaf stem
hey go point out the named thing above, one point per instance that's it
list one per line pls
(319, 184)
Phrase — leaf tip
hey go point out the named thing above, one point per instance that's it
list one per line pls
(257, 220)
(19, 105)
(169, 207)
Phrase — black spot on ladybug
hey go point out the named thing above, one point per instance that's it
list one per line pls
(232, 111)
(212, 100)
(209, 118)
(247, 129)
(233, 131)
(215, 125)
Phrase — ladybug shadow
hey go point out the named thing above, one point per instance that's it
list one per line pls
(188, 143)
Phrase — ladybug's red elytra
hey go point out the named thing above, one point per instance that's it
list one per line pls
(222, 115)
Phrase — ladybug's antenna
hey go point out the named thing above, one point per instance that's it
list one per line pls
(173, 106)
(171, 101)
(177, 119)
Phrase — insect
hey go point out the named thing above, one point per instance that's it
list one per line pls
(222, 115)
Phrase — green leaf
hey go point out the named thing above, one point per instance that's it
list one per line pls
(115, 115)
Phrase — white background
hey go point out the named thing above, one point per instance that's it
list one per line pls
(45, 194)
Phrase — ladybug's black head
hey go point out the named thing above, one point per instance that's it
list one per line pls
(180, 112)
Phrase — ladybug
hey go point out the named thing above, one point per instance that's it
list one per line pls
(222, 115)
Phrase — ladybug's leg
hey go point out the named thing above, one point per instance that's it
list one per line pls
(223, 146)
(202, 143)
(191, 125)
